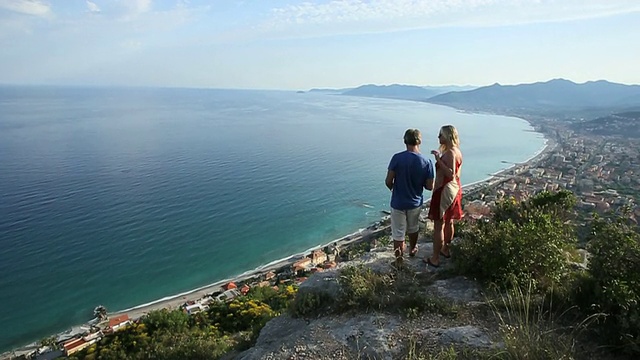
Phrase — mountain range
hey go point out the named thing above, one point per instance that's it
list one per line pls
(394, 91)
(551, 96)
(408, 92)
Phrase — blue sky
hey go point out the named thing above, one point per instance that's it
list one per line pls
(288, 44)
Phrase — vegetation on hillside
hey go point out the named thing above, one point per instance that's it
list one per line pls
(173, 334)
(530, 248)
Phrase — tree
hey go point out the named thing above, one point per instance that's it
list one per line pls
(100, 312)
(50, 341)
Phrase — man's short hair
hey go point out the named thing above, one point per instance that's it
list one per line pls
(412, 137)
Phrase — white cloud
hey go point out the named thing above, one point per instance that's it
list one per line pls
(139, 6)
(27, 7)
(360, 16)
(92, 7)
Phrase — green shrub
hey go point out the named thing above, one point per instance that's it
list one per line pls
(530, 246)
(558, 204)
(529, 329)
(241, 314)
(278, 300)
(361, 287)
(310, 303)
(613, 284)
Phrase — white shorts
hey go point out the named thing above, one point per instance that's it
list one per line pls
(404, 222)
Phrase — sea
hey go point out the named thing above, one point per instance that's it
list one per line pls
(122, 196)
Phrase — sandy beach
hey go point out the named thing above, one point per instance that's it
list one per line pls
(174, 302)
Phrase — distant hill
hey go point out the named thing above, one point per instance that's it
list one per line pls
(405, 92)
(625, 124)
(550, 96)
(449, 88)
(329, 91)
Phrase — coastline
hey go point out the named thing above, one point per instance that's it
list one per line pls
(175, 301)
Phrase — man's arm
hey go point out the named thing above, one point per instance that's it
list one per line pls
(391, 175)
(429, 184)
(431, 174)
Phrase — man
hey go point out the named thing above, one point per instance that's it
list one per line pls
(408, 174)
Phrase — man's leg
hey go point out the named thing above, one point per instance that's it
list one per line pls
(398, 231)
(413, 229)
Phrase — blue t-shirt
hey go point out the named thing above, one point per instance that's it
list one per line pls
(412, 171)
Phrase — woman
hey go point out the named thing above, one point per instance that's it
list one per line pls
(446, 199)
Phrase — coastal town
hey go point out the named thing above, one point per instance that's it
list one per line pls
(601, 170)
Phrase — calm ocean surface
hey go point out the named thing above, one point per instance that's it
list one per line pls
(124, 196)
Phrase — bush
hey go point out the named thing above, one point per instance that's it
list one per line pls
(361, 287)
(558, 204)
(531, 245)
(529, 330)
(241, 314)
(613, 283)
(310, 303)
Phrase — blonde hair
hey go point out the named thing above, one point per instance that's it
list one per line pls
(450, 136)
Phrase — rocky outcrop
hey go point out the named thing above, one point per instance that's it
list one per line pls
(374, 335)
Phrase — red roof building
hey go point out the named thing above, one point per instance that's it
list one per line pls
(74, 345)
(118, 322)
(245, 289)
(230, 286)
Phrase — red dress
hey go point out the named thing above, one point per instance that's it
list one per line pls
(452, 210)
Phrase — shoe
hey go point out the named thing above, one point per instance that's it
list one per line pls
(445, 255)
(428, 262)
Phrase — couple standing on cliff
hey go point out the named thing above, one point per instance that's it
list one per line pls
(409, 173)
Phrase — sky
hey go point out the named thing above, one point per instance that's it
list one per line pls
(298, 45)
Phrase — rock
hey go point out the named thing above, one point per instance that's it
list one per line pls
(279, 328)
(333, 337)
(379, 262)
(324, 283)
(458, 289)
(466, 336)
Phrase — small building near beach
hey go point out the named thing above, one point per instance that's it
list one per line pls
(119, 322)
(269, 275)
(302, 263)
(230, 286)
(245, 289)
(318, 257)
(74, 345)
(196, 308)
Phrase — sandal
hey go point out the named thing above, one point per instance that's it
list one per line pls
(428, 262)
(413, 251)
(445, 255)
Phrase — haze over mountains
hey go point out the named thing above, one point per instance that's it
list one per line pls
(553, 95)
(409, 92)
(395, 91)
(599, 107)
(558, 97)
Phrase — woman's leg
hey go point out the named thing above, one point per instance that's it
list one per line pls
(438, 239)
(448, 236)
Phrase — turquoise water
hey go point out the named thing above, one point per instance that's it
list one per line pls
(124, 196)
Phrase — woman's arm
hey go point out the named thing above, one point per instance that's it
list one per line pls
(447, 161)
